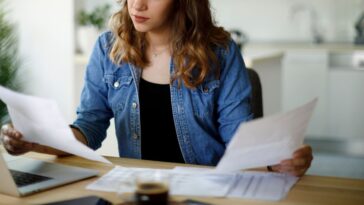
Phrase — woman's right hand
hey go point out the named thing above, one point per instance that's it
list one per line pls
(13, 142)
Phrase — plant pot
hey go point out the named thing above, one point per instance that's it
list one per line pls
(86, 38)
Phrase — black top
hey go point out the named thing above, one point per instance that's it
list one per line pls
(159, 138)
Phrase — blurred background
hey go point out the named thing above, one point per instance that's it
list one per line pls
(301, 49)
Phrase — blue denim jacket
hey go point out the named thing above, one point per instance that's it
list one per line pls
(205, 118)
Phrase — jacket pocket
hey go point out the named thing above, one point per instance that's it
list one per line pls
(204, 98)
(119, 87)
(115, 82)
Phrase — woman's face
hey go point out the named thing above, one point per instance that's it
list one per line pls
(150, 15)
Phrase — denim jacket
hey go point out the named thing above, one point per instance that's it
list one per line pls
(205, 118)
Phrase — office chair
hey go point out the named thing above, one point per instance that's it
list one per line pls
(257, 98)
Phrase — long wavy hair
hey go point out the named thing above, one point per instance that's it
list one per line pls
(194, 36)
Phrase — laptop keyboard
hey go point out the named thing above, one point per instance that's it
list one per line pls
(23, 179)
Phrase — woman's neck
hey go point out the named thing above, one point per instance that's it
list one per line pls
(159, 39)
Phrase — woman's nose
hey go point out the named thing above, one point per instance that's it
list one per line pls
(140, 5)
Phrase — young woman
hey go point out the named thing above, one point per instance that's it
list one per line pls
(175, 84)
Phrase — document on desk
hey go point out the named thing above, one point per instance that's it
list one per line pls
(121, 180)
(40, 121)
(203, 182)
(248, 184)
(267, 141)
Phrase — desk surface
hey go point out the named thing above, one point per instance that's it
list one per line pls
(309, 190)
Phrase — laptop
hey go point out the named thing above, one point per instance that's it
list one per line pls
(21, 176)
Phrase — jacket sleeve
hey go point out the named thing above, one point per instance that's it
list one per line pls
(94, 112)
(233, 103)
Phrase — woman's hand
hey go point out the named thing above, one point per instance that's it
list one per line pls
(298, 165)
(13, 143)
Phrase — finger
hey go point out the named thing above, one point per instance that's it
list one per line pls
(14, 151)
(17, 144)
(5, 131)
(297, 161)
(13, 135)
(287, 162)
(10, 149)
(305, 150)
(295, 165)
(16, 134)
(303, 161)
(8, 132)
(276, 168)
(295, 168)
(287, 169)
(5, 127)
(298, 173)
(300, 162)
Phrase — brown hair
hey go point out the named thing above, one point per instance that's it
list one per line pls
(194, 35)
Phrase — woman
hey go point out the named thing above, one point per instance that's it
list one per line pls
(167, 75)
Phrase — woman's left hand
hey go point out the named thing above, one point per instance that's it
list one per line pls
(298, 165)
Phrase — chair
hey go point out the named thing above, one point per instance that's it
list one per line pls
(257, 99)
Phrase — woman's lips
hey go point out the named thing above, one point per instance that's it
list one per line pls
(140, 19)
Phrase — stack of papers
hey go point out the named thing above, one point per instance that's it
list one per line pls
(40, 121)
(258, 143)
(203, 182)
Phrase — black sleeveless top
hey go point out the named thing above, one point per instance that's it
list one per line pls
(158, 134)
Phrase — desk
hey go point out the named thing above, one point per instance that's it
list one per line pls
(309, 190)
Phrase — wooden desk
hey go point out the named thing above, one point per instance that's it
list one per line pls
(309, 190)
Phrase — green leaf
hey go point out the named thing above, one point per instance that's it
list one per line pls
(97, 17)
(9, 62)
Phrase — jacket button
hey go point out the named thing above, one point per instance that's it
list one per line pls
(134, 105)
(206, 90)
(135, 136)
(116, 84)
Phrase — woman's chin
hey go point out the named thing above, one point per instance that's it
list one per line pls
(141, 29)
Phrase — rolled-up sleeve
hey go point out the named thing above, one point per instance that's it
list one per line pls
(94, 113)
(235, 93)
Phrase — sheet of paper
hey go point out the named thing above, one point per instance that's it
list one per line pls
(267, 141)
(40, 121)
(203, 182)
(121, 180)
(263, 186)
(249, 184)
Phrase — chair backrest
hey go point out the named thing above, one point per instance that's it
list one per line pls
(257, 98)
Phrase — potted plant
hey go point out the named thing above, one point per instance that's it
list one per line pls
(90, 25)
(9, 62)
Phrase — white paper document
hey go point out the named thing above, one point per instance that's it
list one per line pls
(40, 121)
(267, 141)
(203, 182)
(247, 184)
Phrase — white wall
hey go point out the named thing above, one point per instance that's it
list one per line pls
(45, 30)
(272, 20)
